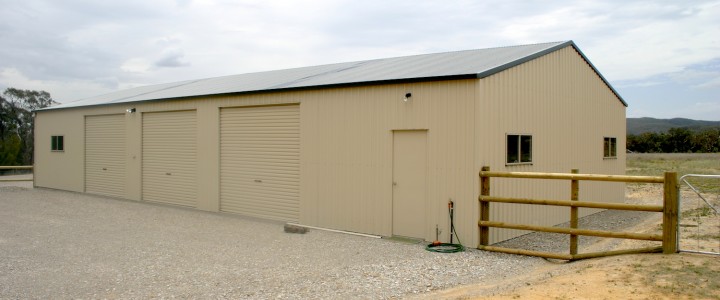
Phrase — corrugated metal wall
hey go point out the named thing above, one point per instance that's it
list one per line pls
(346, 138)
(347, 153)
(568, 110)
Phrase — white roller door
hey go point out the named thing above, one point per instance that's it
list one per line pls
(105, 155)
(260, 161)
(169, 157)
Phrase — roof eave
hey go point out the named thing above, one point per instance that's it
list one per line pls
(285, 89)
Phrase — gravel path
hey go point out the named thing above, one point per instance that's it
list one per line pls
(56, 244)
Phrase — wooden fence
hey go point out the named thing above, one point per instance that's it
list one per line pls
(15, 168)
(669, 210)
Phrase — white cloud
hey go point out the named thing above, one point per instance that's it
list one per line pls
(169, 40)
(135, 65)
(61, 91)
(560, 24)
(660, 39)
(713, 83)
(172, 58)
(700, 110)
(642, 83)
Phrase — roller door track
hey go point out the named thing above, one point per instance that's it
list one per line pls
(105, 155)
(169, 157)
(260, 161)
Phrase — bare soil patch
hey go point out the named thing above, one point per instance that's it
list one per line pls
(655, 276)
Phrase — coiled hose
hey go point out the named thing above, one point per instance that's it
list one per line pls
(447, 247)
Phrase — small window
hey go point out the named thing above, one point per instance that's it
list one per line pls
(610, 147)
(519, 149)
(57, 143)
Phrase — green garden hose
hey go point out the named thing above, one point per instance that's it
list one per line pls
(447, 247)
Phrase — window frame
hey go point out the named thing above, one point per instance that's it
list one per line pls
(57, 143)
(609, 147)
(520, 153)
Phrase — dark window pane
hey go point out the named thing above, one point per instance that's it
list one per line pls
(512, 149)
(606, 147)
(613, 147)
(526, 148)
(57, 143)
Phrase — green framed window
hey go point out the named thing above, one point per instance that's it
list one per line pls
(57, 143)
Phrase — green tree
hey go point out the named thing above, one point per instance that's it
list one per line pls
(28, 100)
(647, 142)
(706, 141)
(16, 124)
(678, 140)
(9, 151)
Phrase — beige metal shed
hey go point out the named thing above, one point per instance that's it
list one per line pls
(376, 147)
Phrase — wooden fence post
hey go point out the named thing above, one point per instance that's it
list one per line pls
(670, 213)
(484, 208)
(574, 196)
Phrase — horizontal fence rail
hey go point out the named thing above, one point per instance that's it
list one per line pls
(669, 210)
(15, 168)
(617, 206)
(571, 176)
(575, 231)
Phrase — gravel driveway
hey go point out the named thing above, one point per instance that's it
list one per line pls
(56, 244)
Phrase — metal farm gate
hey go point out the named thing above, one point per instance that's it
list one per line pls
(699, 221)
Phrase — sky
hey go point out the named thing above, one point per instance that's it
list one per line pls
(663, 57)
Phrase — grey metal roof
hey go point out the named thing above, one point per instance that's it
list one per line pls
(440, 66)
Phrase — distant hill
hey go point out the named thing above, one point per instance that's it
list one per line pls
(641, 125)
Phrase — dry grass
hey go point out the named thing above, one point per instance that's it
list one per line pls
(655, 164)
(680, 276)
(648, 276)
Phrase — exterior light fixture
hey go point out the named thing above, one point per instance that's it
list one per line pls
(407, 97)
(130, 110)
